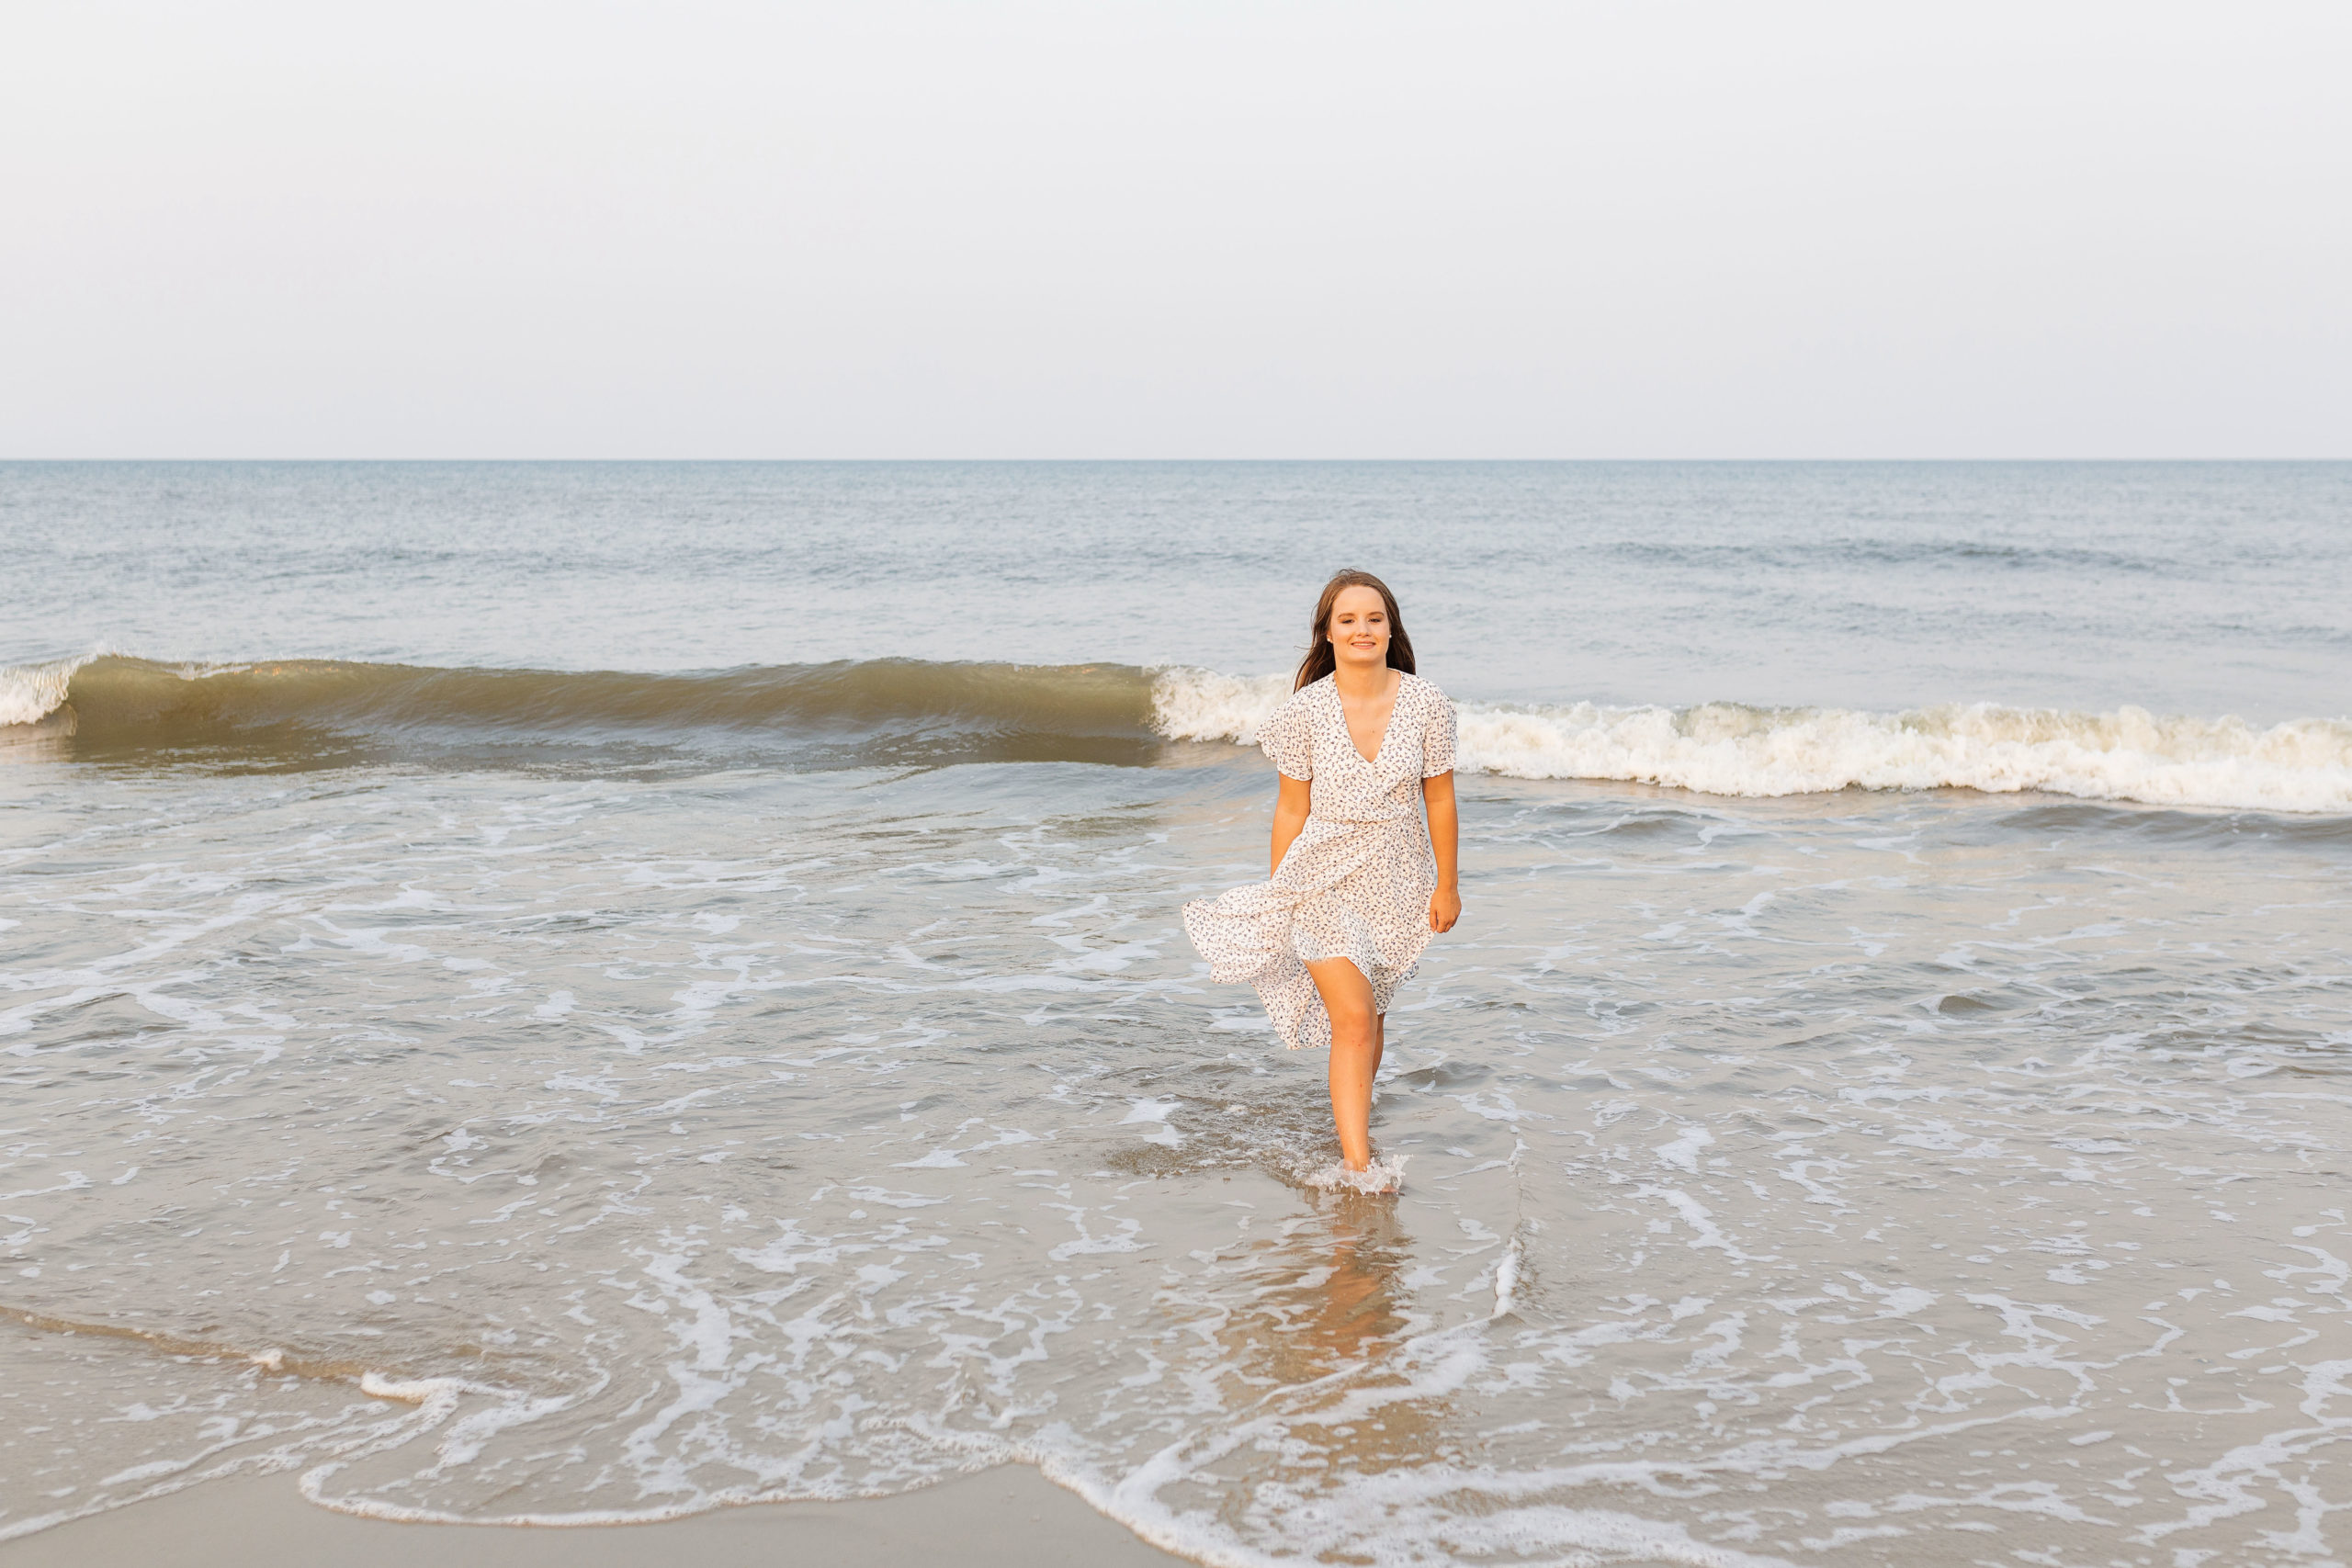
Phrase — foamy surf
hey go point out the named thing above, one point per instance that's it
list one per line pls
(1507, 1275)
(2303, 765)
(1188, 703)
(31, 694)
(1384, 1177)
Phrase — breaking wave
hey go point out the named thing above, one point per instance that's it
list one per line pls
(911, 711)
(2303, 765)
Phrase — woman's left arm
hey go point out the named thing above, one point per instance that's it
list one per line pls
(1446, 837)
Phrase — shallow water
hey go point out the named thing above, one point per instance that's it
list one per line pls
(1865, 1172)
(1864, 1177)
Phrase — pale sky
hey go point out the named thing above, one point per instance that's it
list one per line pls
(980, 229)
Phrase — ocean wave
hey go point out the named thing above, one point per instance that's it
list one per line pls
(1722, 749)
(315, 712)
(912, 712)
(1727, 748)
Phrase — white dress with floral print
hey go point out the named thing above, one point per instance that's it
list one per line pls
(1356, 882)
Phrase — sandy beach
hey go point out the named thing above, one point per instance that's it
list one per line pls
(1007, 1515)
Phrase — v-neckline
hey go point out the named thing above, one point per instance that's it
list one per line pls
(1381, 749)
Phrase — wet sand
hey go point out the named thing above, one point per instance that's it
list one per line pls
(1008, 1517)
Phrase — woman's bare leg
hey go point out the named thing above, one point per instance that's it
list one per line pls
(1358, 1034)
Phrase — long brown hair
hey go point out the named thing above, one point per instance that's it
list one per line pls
(1320, 660)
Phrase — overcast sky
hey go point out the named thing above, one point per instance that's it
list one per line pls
(874, 228)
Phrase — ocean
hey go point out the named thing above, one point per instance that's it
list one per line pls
(597, 992)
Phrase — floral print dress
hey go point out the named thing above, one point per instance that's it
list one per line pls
(1356, 882)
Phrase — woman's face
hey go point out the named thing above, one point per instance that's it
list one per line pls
(1359, 626)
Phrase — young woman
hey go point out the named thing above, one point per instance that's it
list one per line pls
(1359, 886)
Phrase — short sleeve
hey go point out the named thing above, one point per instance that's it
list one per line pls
(1289, 739)
(1437, 738)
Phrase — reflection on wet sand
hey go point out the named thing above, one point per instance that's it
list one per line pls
(1327, 1314)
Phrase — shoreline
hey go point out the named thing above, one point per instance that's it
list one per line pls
(1011, 1517)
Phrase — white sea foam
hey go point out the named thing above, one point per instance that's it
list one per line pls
(1188, 703)
(1385, 1175)
(1506, 1274)
(30, 692)
(1729, 749)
